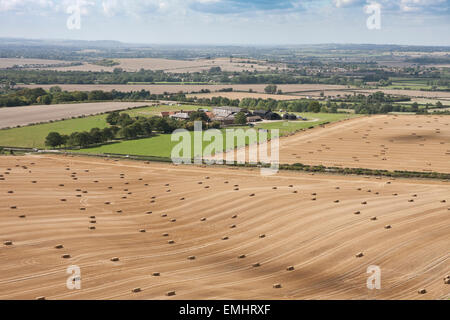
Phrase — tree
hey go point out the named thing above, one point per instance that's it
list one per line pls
(314, 106)
(46, 99)
(113, 118)
(240, 118)
(108, 134)
(271, 89)
(198, 116)
(415, 107)
(54, 139)
(84, 139)
(124, 120)
(96, 135)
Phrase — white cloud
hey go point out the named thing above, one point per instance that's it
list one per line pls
(346, 3)
(25, 5)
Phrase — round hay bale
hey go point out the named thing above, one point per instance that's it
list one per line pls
(40, 298)
(171, 242)
(233, 226)
(10, 192)
(242, 256)
(8, 243)
(191, 258)
(360, 255)
(156, 274)
(262, 236)
(234, 217)
(66, 256)
(374, 218)
(136, 290)
(203, 219)
(92, 228)
(291, 268)
(142, 231)
(357, 212)
(256, 265)
(388, 227)
(59, 246)
(173, 220)
(277, 286)
(22, 216)
(115, 259)
(171, 293)
(447, 280)
(225, 238)
(13, 207)
(165, 234)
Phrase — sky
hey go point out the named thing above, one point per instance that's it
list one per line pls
(234, 22)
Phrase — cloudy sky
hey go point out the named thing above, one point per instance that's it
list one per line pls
(421, 22)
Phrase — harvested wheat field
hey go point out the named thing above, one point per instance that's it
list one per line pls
(388, 142)
(20, 116)
(156, 231)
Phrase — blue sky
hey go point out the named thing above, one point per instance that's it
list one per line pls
(252, 22)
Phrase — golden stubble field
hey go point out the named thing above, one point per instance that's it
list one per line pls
(157, 231)
(389, 142)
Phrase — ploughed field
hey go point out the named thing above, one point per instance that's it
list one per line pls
(389, 142)
(157, 231)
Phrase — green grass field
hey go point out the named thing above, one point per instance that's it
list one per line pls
(161, 145)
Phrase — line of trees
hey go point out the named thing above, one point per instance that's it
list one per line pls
(55, 95)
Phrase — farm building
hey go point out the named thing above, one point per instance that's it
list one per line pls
(225, 111)
(267, 115)
(228, 120)
(254, 119)
(181, 116)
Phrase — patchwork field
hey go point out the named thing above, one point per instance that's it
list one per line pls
(180, 66)
(413, 143)
(154, 231)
